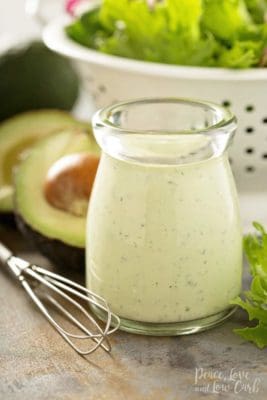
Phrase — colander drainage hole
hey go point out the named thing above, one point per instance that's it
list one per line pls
(264, 121)
(102, 88)
(249, 150)
(226, 103)
(249, 129)
(264, 156)
(249, 108)
(250, 169)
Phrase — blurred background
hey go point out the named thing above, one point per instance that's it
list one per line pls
(16, 23)
(13, 19)
(18, 28)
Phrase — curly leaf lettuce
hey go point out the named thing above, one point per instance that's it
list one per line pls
(255, 300)
(257, 9)
(168, 32)
(243, 54)
(225, 18)
(184, 15)
(218, 33)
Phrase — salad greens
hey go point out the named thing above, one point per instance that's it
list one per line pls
(255, 300)
(217, 33)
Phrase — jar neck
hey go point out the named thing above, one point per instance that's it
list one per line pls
(164, 131)
(163, 149)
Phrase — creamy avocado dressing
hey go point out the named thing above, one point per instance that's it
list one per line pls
(164, 241)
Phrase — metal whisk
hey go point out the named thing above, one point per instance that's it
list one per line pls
(33, 278)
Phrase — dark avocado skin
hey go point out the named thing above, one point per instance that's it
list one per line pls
(33, 77)
(64, 256)
(8, 219)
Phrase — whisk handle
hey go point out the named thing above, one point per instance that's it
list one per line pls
(5, 253)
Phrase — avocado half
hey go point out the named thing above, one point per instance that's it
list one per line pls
(17, 135)
(33, 77)
(57, 234)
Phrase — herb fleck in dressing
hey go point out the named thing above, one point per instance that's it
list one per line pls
(164, 242)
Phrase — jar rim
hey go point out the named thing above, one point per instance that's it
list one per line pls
(102, 118)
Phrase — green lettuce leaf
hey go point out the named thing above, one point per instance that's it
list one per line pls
(184, 15)
(88, 30)
(255, 300)
(168, 32)
(254, 311)
(257, 334)
(243, 54)
(225, 18)
(257, 9)
(218, 33)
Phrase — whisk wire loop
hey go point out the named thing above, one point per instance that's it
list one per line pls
(59, 281)
(33, 278)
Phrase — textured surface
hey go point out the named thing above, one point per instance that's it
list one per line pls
(35, 363)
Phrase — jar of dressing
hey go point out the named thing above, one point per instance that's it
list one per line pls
(164, 243)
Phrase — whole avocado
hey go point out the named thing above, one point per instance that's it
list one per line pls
(33, 77)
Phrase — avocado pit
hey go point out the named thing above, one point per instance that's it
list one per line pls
(69, 182)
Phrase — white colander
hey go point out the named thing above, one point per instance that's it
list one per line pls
(110, 79)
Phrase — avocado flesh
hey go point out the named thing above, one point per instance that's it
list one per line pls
(6, 199)
(31, 205)
(62, 255)
(17, 135)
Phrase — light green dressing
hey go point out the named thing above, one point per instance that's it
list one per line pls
(164, 242)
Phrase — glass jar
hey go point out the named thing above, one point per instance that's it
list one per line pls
(164, 243)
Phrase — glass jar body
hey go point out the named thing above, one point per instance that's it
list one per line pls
(164, 243)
